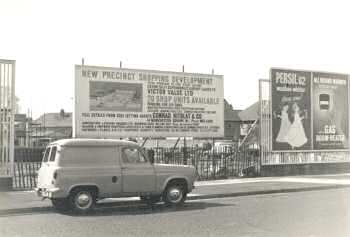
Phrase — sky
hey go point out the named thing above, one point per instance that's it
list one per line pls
(241, 40)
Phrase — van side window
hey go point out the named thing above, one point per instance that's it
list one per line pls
(53, 153)
(132, 156)
(46, 154)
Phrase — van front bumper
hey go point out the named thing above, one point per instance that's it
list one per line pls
(47, 192)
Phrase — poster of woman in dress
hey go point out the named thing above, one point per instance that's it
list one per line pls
(291, 106)
(291, 131)
(295, 136)
(285, 124)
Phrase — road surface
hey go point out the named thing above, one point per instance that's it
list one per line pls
(309, 213)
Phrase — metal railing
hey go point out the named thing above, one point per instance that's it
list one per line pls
(27, 163)
(212, 164)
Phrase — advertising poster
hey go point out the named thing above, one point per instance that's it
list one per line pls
(291, 109)
(120, 102)
(115, 96)
(330, 111)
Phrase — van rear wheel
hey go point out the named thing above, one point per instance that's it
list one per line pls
(82, 200)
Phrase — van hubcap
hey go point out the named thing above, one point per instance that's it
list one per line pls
(175, 194)
(83, 200)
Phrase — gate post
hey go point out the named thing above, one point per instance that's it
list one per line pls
(259, 156)
(7, 113)
(265, 137)
(12, 122)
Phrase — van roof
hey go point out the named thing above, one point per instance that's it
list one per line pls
(92, 142)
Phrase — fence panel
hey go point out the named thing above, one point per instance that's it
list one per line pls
(27, 163)
(211, 164)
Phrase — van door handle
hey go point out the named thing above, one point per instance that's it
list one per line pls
(114, 179)
(124, 168)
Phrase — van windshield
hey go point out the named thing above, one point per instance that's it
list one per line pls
(46, 154)
(53, 154)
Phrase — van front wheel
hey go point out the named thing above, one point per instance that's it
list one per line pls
(174, 195)
(82, 200)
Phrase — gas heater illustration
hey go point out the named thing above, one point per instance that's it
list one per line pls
(324, 101)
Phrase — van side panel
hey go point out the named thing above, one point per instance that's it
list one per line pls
(98, 165)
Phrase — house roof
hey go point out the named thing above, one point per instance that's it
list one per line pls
(230, 114)
(55, 120)
(251, 113)
(54, 132)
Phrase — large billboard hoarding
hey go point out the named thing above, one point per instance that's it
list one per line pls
(309, 110)
(119, 102)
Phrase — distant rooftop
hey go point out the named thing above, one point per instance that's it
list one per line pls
(61, 119)
(251, 113)
(230, 114)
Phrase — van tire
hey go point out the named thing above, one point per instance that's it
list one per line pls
(175, 194)
(60, 204)
(82, 200)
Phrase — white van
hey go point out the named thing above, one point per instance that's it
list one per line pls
(75, 173)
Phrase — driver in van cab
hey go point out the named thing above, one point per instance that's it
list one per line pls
(131, 155)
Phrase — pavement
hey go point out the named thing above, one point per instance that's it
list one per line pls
(20, 201)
